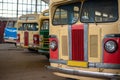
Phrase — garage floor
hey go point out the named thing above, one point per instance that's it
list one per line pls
(20, 64)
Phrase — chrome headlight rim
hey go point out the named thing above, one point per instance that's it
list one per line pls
(53, 45)
(111, 46)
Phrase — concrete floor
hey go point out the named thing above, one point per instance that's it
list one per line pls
(20, 64)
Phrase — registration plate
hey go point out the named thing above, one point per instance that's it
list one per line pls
(77, 63)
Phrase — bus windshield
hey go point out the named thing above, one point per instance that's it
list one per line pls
(99, 11)
(45, 25)
(66, 14)
(91, 11)
(29, 27)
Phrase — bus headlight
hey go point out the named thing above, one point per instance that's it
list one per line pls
(110, 46)
(53, 45)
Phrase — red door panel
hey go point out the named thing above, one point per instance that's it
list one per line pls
(26, 38)
(78, 42)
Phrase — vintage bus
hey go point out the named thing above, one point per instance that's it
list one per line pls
(44, 33)
(28, 31)
(10, 32)
(85, 39)
(32, 29)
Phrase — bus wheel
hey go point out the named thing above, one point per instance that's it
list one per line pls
(47, 56)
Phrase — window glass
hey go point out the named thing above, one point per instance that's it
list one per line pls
(20, 7)
(66, 14)
(5, 6)
(0, 5)
(9, 6)
(20, 1)
(24, 7)
(33, 1)
(14, 1)
(24, 1)
(29, 1)
(14, 6)
(100, 11)
(29, 26)
(45, 25)
(5, 0)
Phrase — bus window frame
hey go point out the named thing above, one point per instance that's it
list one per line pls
(117, 17)
(67, 15)
(27, 29)
(42, 24)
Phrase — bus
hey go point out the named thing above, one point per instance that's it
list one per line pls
(33, 29)
(44, 33)
(10, 32)
(28, 31)
(85, 39)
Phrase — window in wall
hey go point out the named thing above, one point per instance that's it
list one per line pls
(5, 0)
(20, 1)
(24, 7)
(10, 1)
(33, 8)
(5, 6)
(0, 5)
(14, 6)
(20, 7)
(15, 1)
(29, 7)
(9, 7)
(29, 1)
(24, 2)
(33, 1)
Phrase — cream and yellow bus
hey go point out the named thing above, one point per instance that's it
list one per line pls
(28, 31)
(85, 39)
(33, 31)
(44, 33)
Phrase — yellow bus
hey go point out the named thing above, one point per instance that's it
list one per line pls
(28, 31)
(44, 33)
(85, 39)
(31, 28)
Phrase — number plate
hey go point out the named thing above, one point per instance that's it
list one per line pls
(77, 63)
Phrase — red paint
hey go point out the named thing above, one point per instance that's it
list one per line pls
(2, 27)
(26, 38)
(53, 54)
(113, 58)
(18, 39)
(36, 39)
(78, 42)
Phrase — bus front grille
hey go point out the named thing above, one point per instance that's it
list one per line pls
(77, 43)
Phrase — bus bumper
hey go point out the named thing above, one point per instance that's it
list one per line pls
(85, 73)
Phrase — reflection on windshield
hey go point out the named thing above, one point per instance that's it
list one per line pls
(92, 11)
(99, 11)
(45, 25)
(29, 26)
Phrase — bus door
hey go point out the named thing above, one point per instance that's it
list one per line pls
(44, 34)
(26, 34)
(26, 38)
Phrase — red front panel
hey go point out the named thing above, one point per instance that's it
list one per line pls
(36, 39)
(18, 38)
(53, 53)
(26, 38)
(112, 57)
(78, 42)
